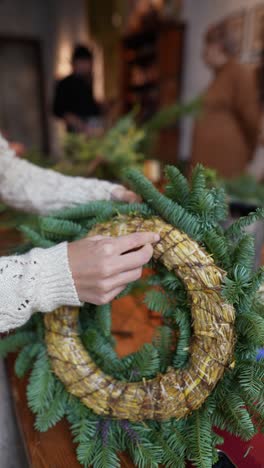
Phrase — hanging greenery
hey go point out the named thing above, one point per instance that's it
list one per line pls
(162, 403)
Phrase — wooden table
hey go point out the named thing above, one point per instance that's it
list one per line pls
(55, 448)
(52, 449)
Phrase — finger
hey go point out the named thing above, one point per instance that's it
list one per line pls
(118, 192)
(122, 279)
(131, 197)
(123, 194)
(133, 241)
(108, 297)
(115, 292)
(133, 260)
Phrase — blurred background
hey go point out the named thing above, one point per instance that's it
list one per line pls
(90, 87)
(146, 55)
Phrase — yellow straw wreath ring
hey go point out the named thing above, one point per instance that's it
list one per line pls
(177, 392)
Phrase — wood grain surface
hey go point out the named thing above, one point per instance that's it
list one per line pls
(52, 449)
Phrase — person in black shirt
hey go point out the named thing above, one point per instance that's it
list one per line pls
(74, 101)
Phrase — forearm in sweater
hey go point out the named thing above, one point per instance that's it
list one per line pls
(40, 280)
(30, 188)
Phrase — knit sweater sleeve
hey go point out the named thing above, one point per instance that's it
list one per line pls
(40, 280)
(30, 188)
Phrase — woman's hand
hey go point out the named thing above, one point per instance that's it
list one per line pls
(103, 266)
(123, 194)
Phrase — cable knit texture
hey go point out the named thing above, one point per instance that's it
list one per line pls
(40, 280)
(30, 188)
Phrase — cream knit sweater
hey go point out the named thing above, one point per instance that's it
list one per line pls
(40, 280)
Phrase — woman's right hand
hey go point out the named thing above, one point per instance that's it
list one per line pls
(103, 266)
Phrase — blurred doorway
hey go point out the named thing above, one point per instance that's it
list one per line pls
(23, 115)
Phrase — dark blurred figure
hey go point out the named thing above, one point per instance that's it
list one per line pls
(226, 134)
(74, 101)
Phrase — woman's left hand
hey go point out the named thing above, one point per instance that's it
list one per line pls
(123, 194)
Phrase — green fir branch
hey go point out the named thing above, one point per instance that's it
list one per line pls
(26, 358)
(199, 439)
(53, 410)
(232, 415)
(217, 245)
(237, 228)
(163, 342)
(34, 237)
(42, 384)
(145, 454)
(11, 343)
(181, 355)
(198, 184)
(250, 326)
(103, 353)
(170, 211)
(87, 210)
(244, 252)
(103, 319)
(171, 456)
(145, 362)
(106, 456)
(251, 379)
(58, 229)
(87, 450)
(178, 188)
(158, 301)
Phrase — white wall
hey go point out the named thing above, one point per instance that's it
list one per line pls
(199, 14)
(59, 24)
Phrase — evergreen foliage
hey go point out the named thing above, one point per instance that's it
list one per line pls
(16, 341)
(244, 252)
(42, 384)
(118, 149)
(26, 357)
(53, 410)
(36, 238)
(237, 402)
(178, 187)
(166, 208)
(145, 363)
(200, 439)
(123, 146)
(53, 228)
(182, 319)
(103, 319)
(238, 227)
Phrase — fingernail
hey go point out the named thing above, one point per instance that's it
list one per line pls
(156, 237)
